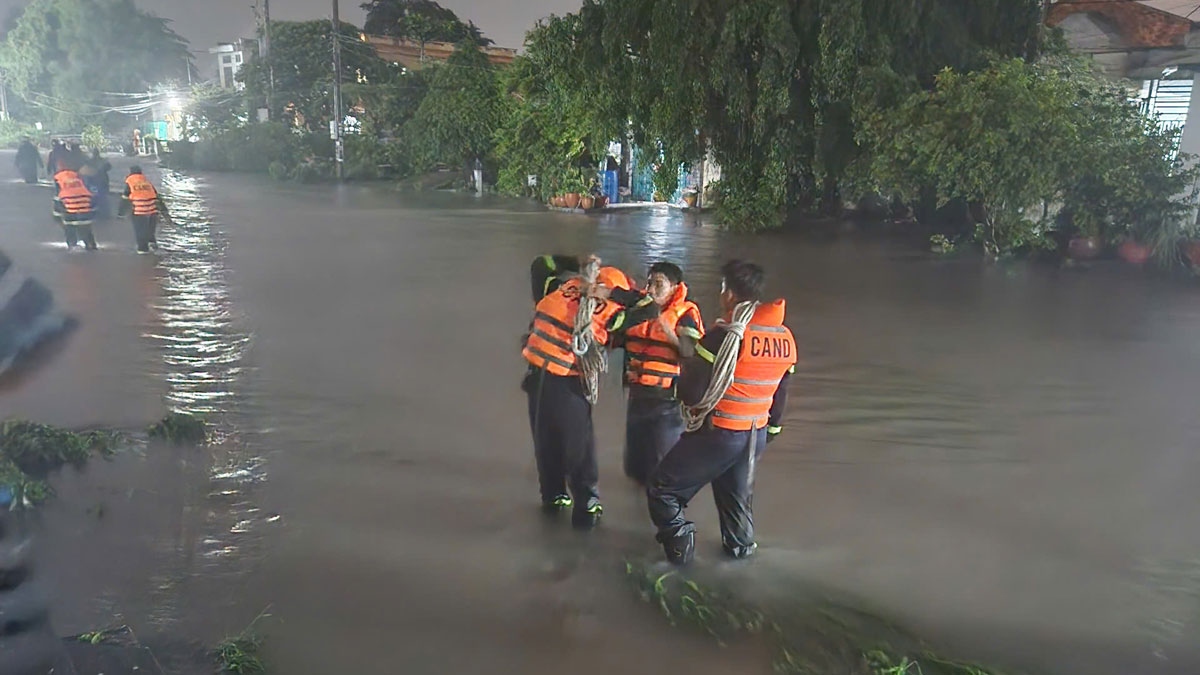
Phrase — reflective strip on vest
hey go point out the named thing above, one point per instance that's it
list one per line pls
(549, 344)
(142, 195)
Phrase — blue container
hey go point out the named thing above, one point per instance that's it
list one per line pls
(610, 186)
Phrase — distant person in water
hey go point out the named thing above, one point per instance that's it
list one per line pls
(28, 161)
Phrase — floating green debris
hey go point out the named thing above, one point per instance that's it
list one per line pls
(811, 638)
(239, 654)
(180, 428)
(30, 451)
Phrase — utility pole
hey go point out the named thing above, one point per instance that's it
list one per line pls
(3, 98)
(337, 93)
(266, 52)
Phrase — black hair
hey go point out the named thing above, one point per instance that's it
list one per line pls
(566, 263)
(669, 270)
(745, 280)
(135, 169)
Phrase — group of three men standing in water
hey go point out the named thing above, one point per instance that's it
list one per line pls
(696, 416)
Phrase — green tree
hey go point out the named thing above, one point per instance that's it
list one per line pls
(301, 54)
(79, 60)
(457, 119)
(419, 20)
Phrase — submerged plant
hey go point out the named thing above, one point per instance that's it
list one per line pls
(810, 638)
(239, 653)
(180, 428)
(30, 451)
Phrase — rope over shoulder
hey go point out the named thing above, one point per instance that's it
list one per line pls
(592, 358)
(723, 366)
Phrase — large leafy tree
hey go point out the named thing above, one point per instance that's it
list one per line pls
(457, 119)
(419, 20)
(78, 60)
(302, 53)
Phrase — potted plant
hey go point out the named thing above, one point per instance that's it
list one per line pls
(1133, 252)
(587, 202)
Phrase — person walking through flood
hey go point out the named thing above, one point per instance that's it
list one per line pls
(73, 205)
(95, 176)
(653, 422)
(735, 391)
(56, 159)
(560, 385)
(28, 161)
(144, 206)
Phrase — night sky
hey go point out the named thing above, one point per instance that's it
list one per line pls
(207, 22)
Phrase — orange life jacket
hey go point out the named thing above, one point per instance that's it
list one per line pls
(768, 352)
(73, 194)
(549, 344)
(653, 359)
(142, 195)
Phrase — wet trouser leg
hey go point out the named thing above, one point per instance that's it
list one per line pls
(70, 233)
(652, 427)
(141, 232)
(711, 455)
(564, 442)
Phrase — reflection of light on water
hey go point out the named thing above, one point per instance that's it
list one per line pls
(203, 352)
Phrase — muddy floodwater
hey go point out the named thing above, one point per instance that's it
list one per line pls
(1006, 458)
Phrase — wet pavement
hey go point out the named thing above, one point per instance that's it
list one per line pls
(1002, 456)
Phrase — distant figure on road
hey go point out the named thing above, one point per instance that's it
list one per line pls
(28, 161)
(55, 161)
(143, 204)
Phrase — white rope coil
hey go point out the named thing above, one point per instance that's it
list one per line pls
(591, 358)
(723, 366)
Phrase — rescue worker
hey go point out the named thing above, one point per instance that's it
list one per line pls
(730, 435)
(653, 350)
(28, 161)
(141, 201)
(545, 273)
(560, 414)
(55, 160)
(73, 204)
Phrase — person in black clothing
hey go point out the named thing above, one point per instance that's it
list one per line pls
(546, 271)
(27, 161)
(56, 160)
(98, 182)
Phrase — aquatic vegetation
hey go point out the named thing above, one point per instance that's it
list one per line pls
(239, 653)
(813, 637)
(180, 429)
(30, 451)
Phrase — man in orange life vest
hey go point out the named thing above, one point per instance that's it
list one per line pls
(724, 449)
(653, 350)
(560, 414)
(546, 272)
(143, 204)
(73, 204)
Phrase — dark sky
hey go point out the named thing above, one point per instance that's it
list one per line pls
(206, 22)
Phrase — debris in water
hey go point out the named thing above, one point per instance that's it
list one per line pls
(180, 429)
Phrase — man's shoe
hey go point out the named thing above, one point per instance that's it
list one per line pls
(559, 503)
(589, 516)
(740, 552)
(680, 550)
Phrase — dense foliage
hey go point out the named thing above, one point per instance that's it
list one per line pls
(72, 59)
(420, 21)
(456, 120)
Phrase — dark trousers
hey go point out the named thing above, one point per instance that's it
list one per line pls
(652, 427)
(145, 231)
(563, 440)
(714, 456)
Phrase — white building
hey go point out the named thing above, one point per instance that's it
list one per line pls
(230, 58)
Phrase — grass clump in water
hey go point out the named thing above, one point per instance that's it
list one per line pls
(30, 451)
(813, 637)
(180, 428)
(239, 654)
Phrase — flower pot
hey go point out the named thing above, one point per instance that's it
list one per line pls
(587, 202)
(689, 200)
(1133, 252)
(572, 200)
(1084, 248)
(601, 201)
(558, 201)
(1191, 251)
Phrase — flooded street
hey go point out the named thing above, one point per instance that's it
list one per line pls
(1004, 457)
